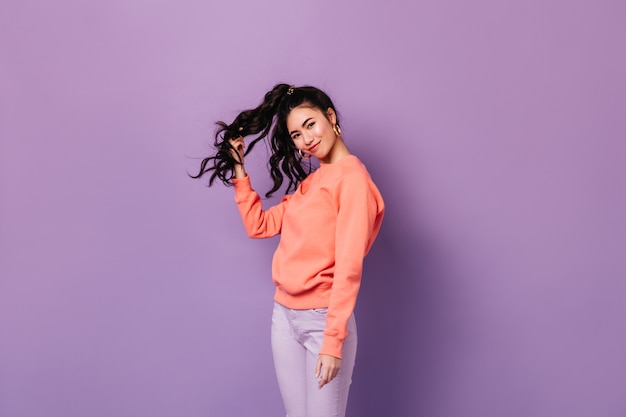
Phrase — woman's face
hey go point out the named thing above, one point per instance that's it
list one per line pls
(312, 131)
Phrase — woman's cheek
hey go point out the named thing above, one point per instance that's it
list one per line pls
(319, 130)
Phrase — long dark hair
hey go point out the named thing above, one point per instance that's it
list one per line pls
(269, 118)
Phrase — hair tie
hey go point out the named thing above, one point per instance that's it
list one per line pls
(290, 91)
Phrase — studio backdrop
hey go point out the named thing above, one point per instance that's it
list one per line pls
(494, 130)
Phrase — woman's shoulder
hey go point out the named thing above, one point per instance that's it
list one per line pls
(346, 164)
(348, 170)
(352, 167)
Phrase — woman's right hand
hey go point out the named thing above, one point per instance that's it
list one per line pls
(237, 151)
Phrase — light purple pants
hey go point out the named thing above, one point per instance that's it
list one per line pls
(297, 337)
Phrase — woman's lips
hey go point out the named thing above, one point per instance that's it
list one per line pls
(313, 148)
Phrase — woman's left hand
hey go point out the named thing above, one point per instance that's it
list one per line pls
(327, 369)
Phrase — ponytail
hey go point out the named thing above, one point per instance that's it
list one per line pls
(271, 113)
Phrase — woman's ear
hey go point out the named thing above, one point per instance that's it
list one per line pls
(331, 116)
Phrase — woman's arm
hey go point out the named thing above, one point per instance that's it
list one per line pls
(237, 153)
(360, 213)
(259, 223)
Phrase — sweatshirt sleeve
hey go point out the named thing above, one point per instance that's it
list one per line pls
(258, 223)
(360, 212)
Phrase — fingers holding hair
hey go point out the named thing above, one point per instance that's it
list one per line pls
(237, 146)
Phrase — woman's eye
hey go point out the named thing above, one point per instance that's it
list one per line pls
(294, 137)
(310, 125)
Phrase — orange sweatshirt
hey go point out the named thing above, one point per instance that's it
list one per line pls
(327, 226)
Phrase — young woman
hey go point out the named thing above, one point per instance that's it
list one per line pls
(327, 220)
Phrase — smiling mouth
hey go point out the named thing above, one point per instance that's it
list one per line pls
(313, 148)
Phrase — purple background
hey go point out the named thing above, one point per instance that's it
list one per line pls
(495, 130)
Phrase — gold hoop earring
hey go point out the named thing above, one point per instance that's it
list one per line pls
(303, 155)
(337, 130)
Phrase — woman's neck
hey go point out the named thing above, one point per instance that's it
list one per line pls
(338, 152)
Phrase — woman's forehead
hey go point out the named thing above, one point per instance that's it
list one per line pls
(301, 113)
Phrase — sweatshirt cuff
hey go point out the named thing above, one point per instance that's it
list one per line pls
(331, 346)
(241, 181)
(242, 187)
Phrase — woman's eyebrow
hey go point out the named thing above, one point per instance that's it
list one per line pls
(303, 124)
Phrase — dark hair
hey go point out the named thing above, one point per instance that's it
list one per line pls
(269, 118)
